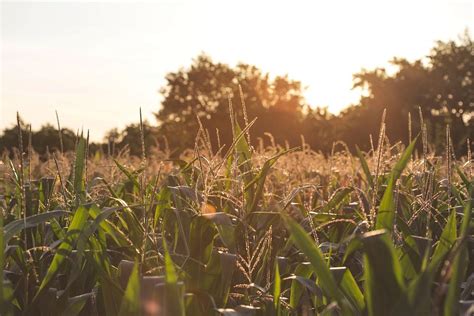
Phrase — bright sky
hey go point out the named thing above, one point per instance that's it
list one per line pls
(98, 62)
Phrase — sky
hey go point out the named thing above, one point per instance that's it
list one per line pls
(97, 63)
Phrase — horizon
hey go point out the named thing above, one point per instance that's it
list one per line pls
(111, 59)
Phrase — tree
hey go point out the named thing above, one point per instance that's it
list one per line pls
(43, 140)
(204, 91)
(131, 137)
(441, 85)
(319, 127)
(47, 138)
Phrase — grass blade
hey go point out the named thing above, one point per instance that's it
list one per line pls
(277, 289)
(16, 226)
(384, 285)
(365, 167)
(386, 214)
(79, 170)
(75, 228)
(309, 248)
(131, 299)
(459, 266)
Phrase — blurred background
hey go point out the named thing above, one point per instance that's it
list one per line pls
(325, 71)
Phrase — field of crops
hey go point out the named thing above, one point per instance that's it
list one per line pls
(238, 231)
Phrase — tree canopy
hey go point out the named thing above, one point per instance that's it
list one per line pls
(44, 140)
(440, 86)
(206, 90)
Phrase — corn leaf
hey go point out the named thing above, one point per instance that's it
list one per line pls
(131, 299)
(75, 228)
(386, 213)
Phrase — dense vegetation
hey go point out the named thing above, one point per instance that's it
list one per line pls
(441, 86)
(264, 230)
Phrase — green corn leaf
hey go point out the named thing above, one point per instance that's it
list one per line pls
(384, 285)
(174, 296)
(260, 179)
(241, 145)
(224, 227)
(352, 291)
(64, 249)
(459, 265)
(228, 265)
(171, 276)
(302, 270)
(418, 298)
(128, 174)
(100, 216)
(76, 304)
(386, 213)
(308, 247)
(418, 293)
(365, 167)
(9, 303)
(466, 220)
(464, 177)
(336, 199)
(445, 243)
(110, 291)
(163, 202)
(353, 245)
(459, 269)
(16, 226)
(244, 155)
(277, 289)
(131, 300)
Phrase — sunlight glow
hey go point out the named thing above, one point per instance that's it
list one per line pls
(97, 61)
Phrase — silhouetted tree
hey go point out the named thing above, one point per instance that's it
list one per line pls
(441, 85)
(319, 128)
(10, 138)
(204, 90)
(46, 138)
(131, 138)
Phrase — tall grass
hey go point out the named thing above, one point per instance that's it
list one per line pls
(237, 231)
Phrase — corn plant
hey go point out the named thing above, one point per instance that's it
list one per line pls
(237, 231)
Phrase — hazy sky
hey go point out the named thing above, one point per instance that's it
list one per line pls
(98, 62)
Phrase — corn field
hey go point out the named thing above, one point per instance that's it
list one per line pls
(240, 230)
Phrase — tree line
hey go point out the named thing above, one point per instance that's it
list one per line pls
(437, 90)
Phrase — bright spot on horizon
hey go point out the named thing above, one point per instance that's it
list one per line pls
(97, 63)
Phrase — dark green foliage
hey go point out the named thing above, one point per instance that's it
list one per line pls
(217, 235)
